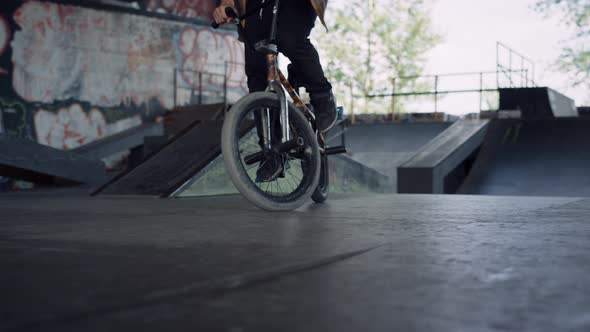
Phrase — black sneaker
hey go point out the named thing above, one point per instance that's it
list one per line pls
(271, 167)
(325, 111)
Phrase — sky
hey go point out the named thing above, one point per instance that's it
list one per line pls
(471, 28)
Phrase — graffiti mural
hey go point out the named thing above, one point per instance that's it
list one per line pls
(4, 40)
(71, 75)
(14, 118)
(221, 55)
(74, 125)
(63, 52)
(186, 8)
(96, 59)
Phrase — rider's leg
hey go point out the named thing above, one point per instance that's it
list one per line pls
(257, 81)
(257, 29)
(256, 70)
(293, 39)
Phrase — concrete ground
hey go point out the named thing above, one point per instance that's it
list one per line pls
(357, 263)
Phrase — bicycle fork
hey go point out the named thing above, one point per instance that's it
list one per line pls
(284, 116)
(274, 84)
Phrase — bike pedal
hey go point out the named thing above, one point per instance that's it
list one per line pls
(335, 150)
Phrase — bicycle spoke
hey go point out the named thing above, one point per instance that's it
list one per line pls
(298, 179)
(290, 185)
(266, 190)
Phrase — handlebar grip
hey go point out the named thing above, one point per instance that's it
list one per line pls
(229, 12)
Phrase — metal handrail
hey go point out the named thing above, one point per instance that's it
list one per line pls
(450, 74)
(201, 75)
(436, 92)
(525, 65)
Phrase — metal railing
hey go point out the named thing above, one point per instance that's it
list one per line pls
(435, 91)
(513, 70)
(439, 91)
(516, 63)
(203, 87)
(200, 91)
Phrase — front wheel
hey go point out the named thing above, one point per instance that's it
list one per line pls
(251, 131)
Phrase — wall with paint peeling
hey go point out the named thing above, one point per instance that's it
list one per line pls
(71, 75)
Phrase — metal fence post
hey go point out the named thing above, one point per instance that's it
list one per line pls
(352, 119)
(510, 69)
(497, 65)
(392, 99)
(522, 72)
(436, 94)
(480, 90)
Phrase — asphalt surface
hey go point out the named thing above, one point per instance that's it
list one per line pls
(357, 263)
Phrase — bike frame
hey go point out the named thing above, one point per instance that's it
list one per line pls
(278, 83)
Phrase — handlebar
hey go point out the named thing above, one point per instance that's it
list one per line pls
(230, 12)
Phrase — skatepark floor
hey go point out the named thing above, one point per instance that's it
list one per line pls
(357, 263)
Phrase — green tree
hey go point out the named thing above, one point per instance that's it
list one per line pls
(575, 56)
(372, 41)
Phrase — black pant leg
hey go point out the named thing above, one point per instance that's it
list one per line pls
(296, 20)
(256, 29)
(256, 69)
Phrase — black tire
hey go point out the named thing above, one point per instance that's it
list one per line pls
(320, 194)
(232, 138)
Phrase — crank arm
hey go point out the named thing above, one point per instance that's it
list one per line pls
(278, 148)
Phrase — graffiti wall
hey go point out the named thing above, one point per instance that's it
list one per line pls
(70, 75)
(199, 9)
(184, 8)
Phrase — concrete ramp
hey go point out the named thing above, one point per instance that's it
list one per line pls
(384, 147)
(125, 140)
(191, 141)
(30, 161)
(537, 103)
(172, 165)
(549, 157)
(440, 166)
(346, 175)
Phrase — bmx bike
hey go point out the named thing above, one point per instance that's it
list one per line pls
(264, 124)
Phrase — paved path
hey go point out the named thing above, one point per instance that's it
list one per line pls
(358, 263)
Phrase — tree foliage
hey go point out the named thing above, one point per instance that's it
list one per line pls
(575, 56)
(372, 41)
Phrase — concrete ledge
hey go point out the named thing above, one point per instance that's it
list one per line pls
(124, 140)
(30, 161)
(537, 103)
(425, 172)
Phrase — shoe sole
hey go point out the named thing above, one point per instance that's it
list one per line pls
(331, 125)
(271, 179)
